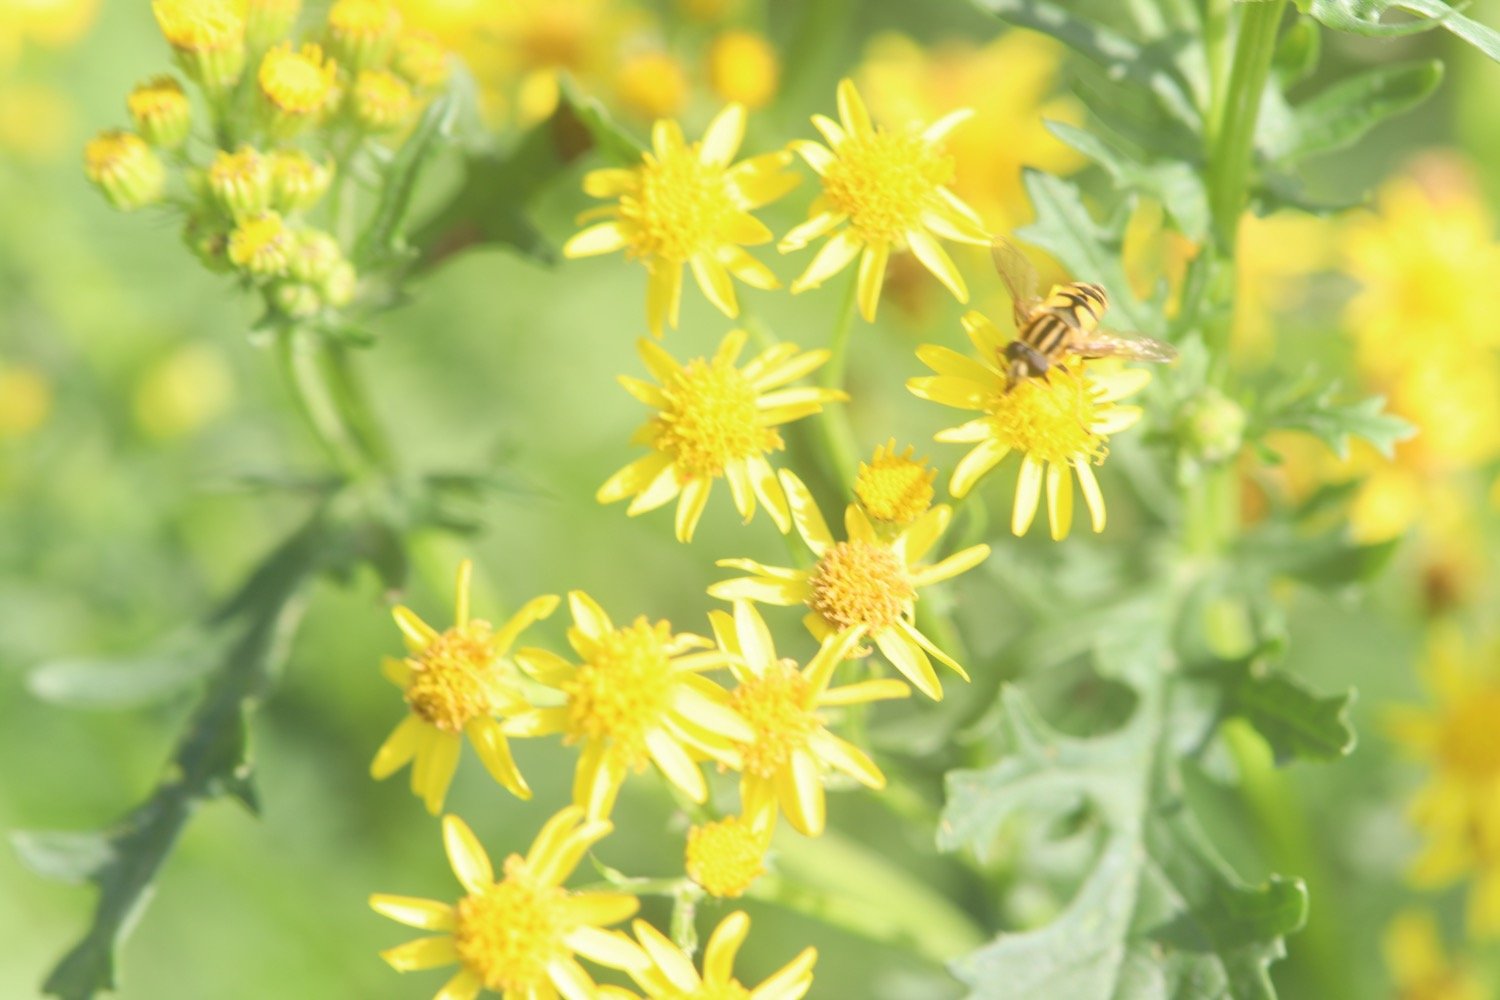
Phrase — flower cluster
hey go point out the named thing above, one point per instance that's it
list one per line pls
(263, 191)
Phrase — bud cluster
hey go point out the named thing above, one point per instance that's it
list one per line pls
(284, 118)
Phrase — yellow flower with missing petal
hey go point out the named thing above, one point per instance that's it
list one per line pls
(519, 935)
(894, 489)
(865, 582)
(638, 697)
(688, 204)
(784, 767)
(888, 189)
(725, 858)
(1060, 423)
(715, 419)
(457, 683)
(670, 974)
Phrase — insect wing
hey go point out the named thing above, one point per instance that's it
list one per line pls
(1114, 344)
(1019, 275)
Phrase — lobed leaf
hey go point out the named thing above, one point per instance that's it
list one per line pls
(1305, 405)
(1175, 183)
(1342, 114)
(1366, 17)
(1294, 721)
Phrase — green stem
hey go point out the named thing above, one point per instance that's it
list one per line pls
(1231, 150)
(302, 361)
(1216, 40)
(835, 433)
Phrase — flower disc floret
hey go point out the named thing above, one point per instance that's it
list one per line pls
(509, 933)
(448, 686)
(261, 246)
(725, 858)
(241, 182)
(777, 705)
(894, 489)
(622, 691)
(711, 419)
(860, 583)
(882, 179)
(297, 85)
(382, 100)
(207, 37)
(1051, 417)
(688, 205)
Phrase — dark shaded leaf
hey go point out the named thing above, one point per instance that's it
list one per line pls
(1294, 721)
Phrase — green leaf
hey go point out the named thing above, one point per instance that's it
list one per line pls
(1122, 59)
(610, 138)
(1174, 183)
(380, 242)
(1339, 116)
(1364, 17)
(1298, 52)
(65, 857)
(1091, 251)
(1305, 405)
(124, 681)
(1294, 721)
(1331, 561)
(1159, 914)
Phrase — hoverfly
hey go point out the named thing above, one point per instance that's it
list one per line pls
(1066, 322)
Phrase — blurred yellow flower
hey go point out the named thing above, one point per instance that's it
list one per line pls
(520, 935)
(670, 974)
(161, 111)
(866, 581)
(1060, 423)
(1275, 257)
(688, 204)
(1457, 738)
(184, 391)
(887, 188)
(262, 245)
(530, 44)
(127, 170)
(207, 37)
(1421, 966)
(894, 489)
(652, 84)
(25, 400)
(382, 101)
(36, 121)
(638, 697)
(785, 766)
(421, 60)
(297, 85)
(50, 23)
(743, 68)
(363, 33)
(715, 419)
(1010, 83)
(726, 857)
(458, 682)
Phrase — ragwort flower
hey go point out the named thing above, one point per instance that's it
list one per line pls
(1060, 423)
(715, 419)
(670, 974)
(866, 581)
(520, 935)
(784, 767)
(456, 682)
(726, 857)
(688, 204)
(637, 698)
(887, 188)
(894, 489)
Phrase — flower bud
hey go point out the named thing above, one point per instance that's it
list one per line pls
(382, 101)
(341, 285)
(241, 182)
(161, 112)
(315, 257)
(269, 21)
(742, 68)
(209, 242)
(298, 182)
(421, 60)
(127, 170)
(207, 37)
(261, 246)
(296, 87)
(361, 33)
(297, 300)
(1212, 426)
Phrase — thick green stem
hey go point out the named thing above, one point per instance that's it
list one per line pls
(1231, 148)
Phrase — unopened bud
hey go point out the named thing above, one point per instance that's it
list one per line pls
(161, 112)
(127, 170)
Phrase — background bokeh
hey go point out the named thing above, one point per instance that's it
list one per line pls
(132, 404)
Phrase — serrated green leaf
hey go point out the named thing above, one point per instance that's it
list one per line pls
(1174, 183)
(1122, 59)
(1306, 405)
(1364, 17)
(1339, 116)
(1293, 720)
(1089, 249)
(1159, 915)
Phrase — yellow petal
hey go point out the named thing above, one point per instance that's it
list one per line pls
(936, 260)
(938, 130)
(658, 492)
(800, 791)
(1059, 500)
(852, 111)
(872, 279)
(949, 390)
(399, 748)
(791, 981)
(1028, 494)
(423, 953)
(959, 562)
(606, 237)
(816, 155)
(723, 947)
(676, 765)
(973, 466)
(663, 295)
(1093, 497)
(588, 617)
(909, 658)
(669, 959)
(690, 507)
(755, 642)
(632, 479)
(818, 225)
(745, 267)
(848, 758)
(980, 429)
(785, 369)
(768, 491)
(713, 279)
(723, 137)
(805, 513)
(610, 182)
(531, 612)
(658, 361)
(571, 979)
(833, 132)
(983, 334)
(946, 361)
(443, 749)
(418, 633)
(423, 914)
(466, 856)
(494, 753)
(463, 986)
(777, 592)
(833, 257)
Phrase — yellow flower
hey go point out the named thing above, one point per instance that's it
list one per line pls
(126, 169)
(382, 100)
(688, 204)
(888, 188)
(363, 32)
(670, 974)
(241, 182)
(525, 47)
(725, 858)
(894, 489)
(784, 767)
(36, 120)
(715, 419)
(261, 245)
(520, 935)
(25, 400)
(866, 582)
(207, 37)
(53, 23)
(456, 682)
(651, 84)
(1420, 964)
(1009, 82)
(1456, 810)
(297, 85)
(184, 391)
(743, 69)
(1060, 423)
(637, 698)
(298, 182)
(161, 112)
(421, 60)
